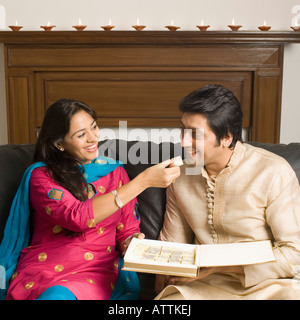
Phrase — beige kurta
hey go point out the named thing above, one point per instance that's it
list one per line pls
(256, 197)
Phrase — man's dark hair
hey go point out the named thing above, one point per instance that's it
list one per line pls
(220, 107)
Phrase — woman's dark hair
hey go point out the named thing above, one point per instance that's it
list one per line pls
(62, 167)
(220, 107)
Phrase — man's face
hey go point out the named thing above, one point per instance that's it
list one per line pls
(198, 139)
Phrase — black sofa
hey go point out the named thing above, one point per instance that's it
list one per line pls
(14, 159)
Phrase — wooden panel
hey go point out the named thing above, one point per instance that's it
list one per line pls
(143, 56)
(140, 77)
(142, 98)
(266, 112)
(18, 112)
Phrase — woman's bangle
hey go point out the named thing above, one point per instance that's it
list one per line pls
(117, 199)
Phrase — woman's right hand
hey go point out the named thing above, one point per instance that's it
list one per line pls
(161, 175)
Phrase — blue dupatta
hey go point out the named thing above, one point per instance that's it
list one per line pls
(17, 230)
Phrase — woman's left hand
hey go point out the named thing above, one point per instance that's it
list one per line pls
(125, 244)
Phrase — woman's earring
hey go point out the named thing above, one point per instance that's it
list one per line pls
(60, 148)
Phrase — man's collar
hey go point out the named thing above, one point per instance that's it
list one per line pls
(234, 160)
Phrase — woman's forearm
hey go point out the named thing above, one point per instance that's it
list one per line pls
(105, 205)
(159, 176)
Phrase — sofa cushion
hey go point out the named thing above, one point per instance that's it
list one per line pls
(291, 153)
(14, 159)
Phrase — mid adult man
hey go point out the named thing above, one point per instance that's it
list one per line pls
(242, 193)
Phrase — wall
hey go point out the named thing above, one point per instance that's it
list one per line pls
(155, 14)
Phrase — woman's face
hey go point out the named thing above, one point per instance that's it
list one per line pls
(82, 139)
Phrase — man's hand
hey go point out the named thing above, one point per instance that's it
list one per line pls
(162, 281)
(204, 272)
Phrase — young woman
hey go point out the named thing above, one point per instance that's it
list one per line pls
(83, 213)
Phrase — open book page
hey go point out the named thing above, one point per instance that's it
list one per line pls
(234, 254)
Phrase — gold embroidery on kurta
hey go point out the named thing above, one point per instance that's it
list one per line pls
(29, 285)
(120, 226)
(101, 230)
(42, 256)
(90, 281)
(48, 211)
(88, 256)
(14, 275)
(101, 189)
(58, 268)
(91, 223)
(57, 229)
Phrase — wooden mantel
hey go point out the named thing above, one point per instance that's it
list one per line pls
(141, 76)
(194, 37)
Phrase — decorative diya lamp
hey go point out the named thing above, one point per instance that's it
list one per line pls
(48, 27)
(172, 27)
(79, 27)
(108, 27)
(138, 26)
(15, 27)
(234, 27)
(264, 27)
(202, 27)
(296, 27)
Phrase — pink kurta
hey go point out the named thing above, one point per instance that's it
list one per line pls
(87, 263)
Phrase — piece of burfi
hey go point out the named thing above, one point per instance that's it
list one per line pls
(162, 259)
(150, 257)
(175, 259)
(188, 254)
(165, 254)
(188, 261)
(153, 250)
(176, 253)
(166, 250)
(140, 249)
(177, 161)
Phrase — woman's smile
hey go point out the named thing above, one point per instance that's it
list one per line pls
(92, 148)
